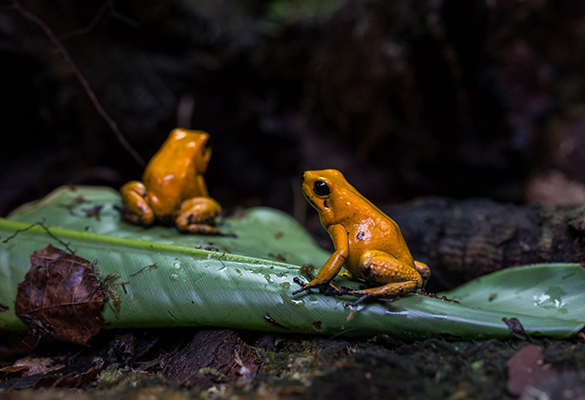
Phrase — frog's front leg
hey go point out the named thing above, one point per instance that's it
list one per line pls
(391, 277)
(197, 214)
(333, 264)
(136, 208)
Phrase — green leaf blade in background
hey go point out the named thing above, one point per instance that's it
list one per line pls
(237, 282)
(549, 290)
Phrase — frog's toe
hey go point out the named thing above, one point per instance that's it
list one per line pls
(324, 287)
(300, 290)
(143, 219)
(333, 291)
(304, 285)
(298, 280)
(345, 290)
(136, 208)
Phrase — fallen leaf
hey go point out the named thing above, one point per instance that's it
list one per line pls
(526, 368)
(516, 328)
(61, 297)
(71, 379)
(29, 366)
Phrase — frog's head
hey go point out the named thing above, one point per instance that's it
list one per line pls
(325, 191)
(197, 140)
(204, 151)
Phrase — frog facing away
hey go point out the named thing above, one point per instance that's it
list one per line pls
(367, 242)
(173, 189)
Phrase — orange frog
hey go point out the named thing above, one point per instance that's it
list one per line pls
(367, 242)
(173, 188)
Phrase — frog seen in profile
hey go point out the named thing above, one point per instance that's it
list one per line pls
(367, 242)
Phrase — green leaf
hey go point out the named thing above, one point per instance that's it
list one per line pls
(260, 232)
(551, 291)
(192, 280)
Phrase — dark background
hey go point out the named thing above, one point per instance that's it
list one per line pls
(458, 98)
(463, 98)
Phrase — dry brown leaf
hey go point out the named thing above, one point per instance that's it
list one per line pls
(527, 368)
(61, 297)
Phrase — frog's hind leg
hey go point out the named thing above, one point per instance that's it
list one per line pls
(197, 215)
(390, 277)
(136, 208)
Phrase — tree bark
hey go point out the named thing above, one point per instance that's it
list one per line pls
(462, 240)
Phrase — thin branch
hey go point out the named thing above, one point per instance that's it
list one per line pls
(121, 17)
(89, 27)
(81, 79)
(96, 19)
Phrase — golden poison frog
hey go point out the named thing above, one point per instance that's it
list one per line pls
(173, 189)
(367, 242)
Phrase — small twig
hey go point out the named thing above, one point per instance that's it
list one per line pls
(47, 230)
(88, 28)
(88, 90)
(219, 259)
(98, 16)
(155, 265)
(121, 17)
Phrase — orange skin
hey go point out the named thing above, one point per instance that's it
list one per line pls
(367, 242)
(173, 187)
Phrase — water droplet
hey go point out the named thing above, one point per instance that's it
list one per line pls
(551, 299)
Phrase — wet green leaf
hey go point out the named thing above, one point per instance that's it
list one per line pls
(245, 281)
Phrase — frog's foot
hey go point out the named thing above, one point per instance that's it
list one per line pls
(388, 292)
(136, 208)
(325, 287)
(362, 297)
(197, 215)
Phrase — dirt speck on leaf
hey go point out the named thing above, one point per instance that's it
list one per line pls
(516, 328)
(61, 298)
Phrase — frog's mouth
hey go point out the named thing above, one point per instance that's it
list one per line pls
(311, 202)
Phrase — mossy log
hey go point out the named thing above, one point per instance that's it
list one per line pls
(464, 239)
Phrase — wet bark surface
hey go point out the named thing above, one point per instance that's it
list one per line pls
(462, 240)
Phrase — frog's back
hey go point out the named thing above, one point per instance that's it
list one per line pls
(374, 230)
(170, 175)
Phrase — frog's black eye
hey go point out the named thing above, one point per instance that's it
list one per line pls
(321, 189)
